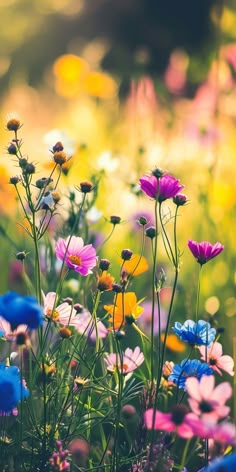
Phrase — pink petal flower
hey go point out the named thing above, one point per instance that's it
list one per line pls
(75, 255)
(204, 251)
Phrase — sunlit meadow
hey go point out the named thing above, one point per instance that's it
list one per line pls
(117, 305)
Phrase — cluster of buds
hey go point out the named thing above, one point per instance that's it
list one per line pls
(58, 460)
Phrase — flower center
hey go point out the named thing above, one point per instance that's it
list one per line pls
(123, 367)
(76, 260)
(53, 314)
(205, 407)
(178, 413)
(212, 362)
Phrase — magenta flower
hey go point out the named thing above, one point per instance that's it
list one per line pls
(160, 188)
(75, 255)
(204, 251)
(213, 355)
(179, 420)
(206, 401)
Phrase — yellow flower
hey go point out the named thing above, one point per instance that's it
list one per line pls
(105, 281)
(135, 266)
(173, 343)
(126, 305)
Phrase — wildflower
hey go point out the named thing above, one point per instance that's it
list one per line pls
(180, 199)
(205, 400)
(86, 326)
(188, 368)
(151, 232)
(162, 188)
(105, 281)
(173, 343)
(104, 264)
(126, 254)
(13, 124)
(14, 180)
(223, 464)
(136, 265)
(195, 333)
(86, 186)
(59, 157)
(12, 149)
(204, 251)
(213, 356)
(64, 313)
(12, 390)
(58, 459)
(126, 363)
(43, 182)
(7, 332)
(76, 256)
(115, 220)
(126, 305)
(175, 421)
(224, 433)
(145, 322)
(21, 309)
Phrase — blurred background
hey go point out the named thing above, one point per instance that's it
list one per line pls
(128, 85)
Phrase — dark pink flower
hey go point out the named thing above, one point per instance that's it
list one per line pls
(76, 256)
(160, 188)
(178, 420)
(204, 251)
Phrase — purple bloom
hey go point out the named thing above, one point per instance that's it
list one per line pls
(161, 188)
(204, 251)
(188, 368)
(76, 256)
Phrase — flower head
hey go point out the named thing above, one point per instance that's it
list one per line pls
(105, 281)
(64, 313)
(126, 305)
(205, 400)
(135, 266)
(204, 251)
(76, 256)
(126, 363)
(21, 309)
(223, 464)
(175, 421)
(161, 188)
(12, 389)
(188, 368)
(213, 356)
(199, 333)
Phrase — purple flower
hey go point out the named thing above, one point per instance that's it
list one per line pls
(76, 256)
(161, 188)
(204, 251)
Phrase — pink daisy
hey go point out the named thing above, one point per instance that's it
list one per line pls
(179, 420)
(129, 361)
(5, 328)
(75, 255)
(64, 313)
(206, 401)
(213, 356)
(86, 326)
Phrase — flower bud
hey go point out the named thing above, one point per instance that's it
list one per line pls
(65, 332)
(13, 124)
(56, 196)
(126, 254)
(29, 168)
(142, 221)
(23, 163)
(78, 307)
(86, 186)
(158, 173)
(128, 411)
(59, 157)
(43, 182)
(117, 288)
(12, 149)
(104, 264)
(21, 255)
(115, 220)
(151, 232)
(14, 180)
(180, 199)
(58, 147)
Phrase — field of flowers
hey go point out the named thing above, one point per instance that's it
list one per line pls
(117, 280)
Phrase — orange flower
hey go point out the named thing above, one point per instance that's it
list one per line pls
(105, 281)
(126, 305)
(135, 266)
(173, 343)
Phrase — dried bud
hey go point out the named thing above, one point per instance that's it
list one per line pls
(21, 255)
(117, 288)
(12, 149)
(65, 332)
(58, 147)
(115, 220)
(151, 232)
(180, 199)
(104, 264)
(13, 124)
(60, 157)
(158, 173)
(126, 254)
(105, 282)
(43, 182)
(86, 186)
(14, 180)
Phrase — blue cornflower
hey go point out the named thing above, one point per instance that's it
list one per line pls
(12, 389)
(21, 309)
(226, 464)
(199, 333)
(188, 368)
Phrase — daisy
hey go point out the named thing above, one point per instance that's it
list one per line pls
(128, 362)
(206, 401)
(64, 313)
(75, 255)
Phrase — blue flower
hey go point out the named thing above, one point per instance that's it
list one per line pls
(21, 309)
(224, 464)
(11, 388)
(189, 368)
(199, 333)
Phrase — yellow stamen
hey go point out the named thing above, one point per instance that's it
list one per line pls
(75, 260)
(53, 314)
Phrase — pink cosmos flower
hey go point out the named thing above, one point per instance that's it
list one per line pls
(213, 356)
(86, 326)
(204, 251)
(224, 433)
(5, 328)
(161, 188)
(129, 361)
(206, 401)
(64, 313)
(76, 256)
(179, 420)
